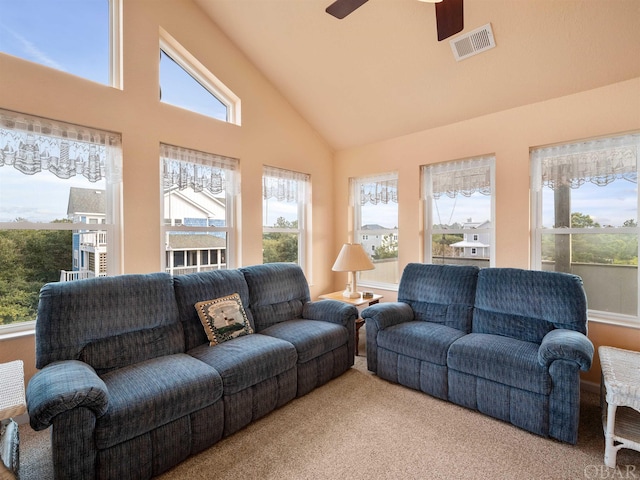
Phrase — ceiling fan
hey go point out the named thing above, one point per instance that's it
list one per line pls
(449, 14)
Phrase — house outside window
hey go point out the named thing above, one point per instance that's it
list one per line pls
(374, 200)
(285, 212)
(198, 210)
(585, 220)
(60, 193)
(459, 212)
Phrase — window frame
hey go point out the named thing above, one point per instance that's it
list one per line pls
(231, 169)
(391, 192)
(113, 191)
(538, 229)
(173, 49)
(303, 201)
(484, 161)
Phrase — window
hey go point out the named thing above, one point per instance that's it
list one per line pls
(285, 201)
(53, 177)
(375, 213)
(186, 83)
(459, 210)
(198, 209)
(585, 219)
(81, 38)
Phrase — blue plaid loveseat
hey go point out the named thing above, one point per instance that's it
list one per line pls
(131, 386)
(507, 342)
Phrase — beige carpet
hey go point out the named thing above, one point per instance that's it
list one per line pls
(360, 427)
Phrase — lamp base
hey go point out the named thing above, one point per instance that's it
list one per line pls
(350, 294)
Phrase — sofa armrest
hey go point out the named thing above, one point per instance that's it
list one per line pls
(330, 311)
(63, 386)
(562, 344)
(388, 314)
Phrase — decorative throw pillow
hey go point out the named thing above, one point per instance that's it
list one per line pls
(223, 318)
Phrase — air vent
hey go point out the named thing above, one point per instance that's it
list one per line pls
(472, 43)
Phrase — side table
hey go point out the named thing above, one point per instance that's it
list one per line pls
(12, 404)
(357, 302)
(620, 400)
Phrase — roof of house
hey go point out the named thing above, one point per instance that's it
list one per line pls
(86, 200)
(195, 241)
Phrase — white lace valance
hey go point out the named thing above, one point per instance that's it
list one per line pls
(185, 168)
(32, 144)
(599, 162)
(377, 189)
(283, 185)
(462, 177)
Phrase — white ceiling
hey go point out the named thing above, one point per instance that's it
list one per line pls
(381, 73)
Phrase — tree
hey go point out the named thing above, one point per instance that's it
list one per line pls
(281, 246)
(441, 244)
(29, 259)
(388, 248)
(580, 220)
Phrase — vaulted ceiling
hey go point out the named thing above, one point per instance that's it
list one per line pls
(381, 73)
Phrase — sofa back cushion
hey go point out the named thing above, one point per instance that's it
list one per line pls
(277, 293)
(108, 322)
(203, 286)
(440, 293)
(527, 304)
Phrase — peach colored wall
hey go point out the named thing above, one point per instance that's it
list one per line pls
(272, 133)
(509, 135)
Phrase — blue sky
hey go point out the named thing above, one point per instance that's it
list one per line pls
(69, 35)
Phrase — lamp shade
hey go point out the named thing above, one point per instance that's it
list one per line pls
(352, 258)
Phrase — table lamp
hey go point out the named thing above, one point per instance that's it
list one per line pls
(352, 258)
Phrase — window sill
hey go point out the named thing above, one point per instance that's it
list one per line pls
(23, 329)
(387, 287)
(618, 321)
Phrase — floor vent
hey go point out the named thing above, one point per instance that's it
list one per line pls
(472, 43)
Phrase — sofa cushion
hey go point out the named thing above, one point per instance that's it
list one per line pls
(278, 292)
(312, 338)
(73, 314)
(121, 350)
(528, 304)
(149, 394)
(197, 287)
(223, 318)
(420, 340)
(248, 360)
(501, 359)
(440, 293)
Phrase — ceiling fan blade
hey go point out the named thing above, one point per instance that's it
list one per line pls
(342, 8)
(449, 18)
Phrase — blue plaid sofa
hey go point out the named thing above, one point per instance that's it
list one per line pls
(507, 342)
(131, 386)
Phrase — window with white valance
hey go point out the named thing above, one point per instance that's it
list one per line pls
(60, 194)
(374, 199)
(459, 219)
(185, 168)
(286, 203)
(585, 219)
(198, 210)
(283, 185)
(599, 162)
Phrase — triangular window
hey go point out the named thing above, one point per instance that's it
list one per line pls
(186, 83)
